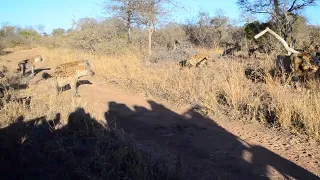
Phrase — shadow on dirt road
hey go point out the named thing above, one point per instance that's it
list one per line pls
(37, 149)
(208, 149)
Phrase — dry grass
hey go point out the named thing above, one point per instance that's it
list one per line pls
(221, 86)
(42, 105)
(81, 149)
(27, 103)
(59, 130)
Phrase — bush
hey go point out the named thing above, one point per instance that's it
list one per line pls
(2, 46)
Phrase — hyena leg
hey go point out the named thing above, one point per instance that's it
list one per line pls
(74, 87)
(58, 90)
(55, 87)
(22, 68)
(19, 67)
(32, 70)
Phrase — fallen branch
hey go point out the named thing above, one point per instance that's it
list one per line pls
(285, 44)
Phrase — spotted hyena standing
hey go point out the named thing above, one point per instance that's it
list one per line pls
(69, 73)
(30, 63)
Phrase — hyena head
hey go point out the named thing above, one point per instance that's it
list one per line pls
(314, 68)
(88, 68)
(38, 58)
(306, 57)
(309, 66)
(305, 65)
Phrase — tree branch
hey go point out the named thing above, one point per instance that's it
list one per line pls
(285, 44)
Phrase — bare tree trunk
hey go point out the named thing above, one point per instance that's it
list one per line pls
(150, 31)
(276, 7)
(245, 41)
(129, 14)
(129, 35)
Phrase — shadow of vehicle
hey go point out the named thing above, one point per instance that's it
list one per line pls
(207, 149)
(143, 143)
(81, 149)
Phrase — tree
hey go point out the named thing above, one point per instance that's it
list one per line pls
(6, 27)
(125, 10)
(85, 23)
(282, 13)
(200, 30)
(7, 31)
(29, 33)
(40, 28)
(220, 22)
(251, 29)
(58, 32)
(148, 13)
(210, 31)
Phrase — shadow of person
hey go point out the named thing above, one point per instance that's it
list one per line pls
(206, 148)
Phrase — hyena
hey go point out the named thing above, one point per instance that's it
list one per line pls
(72, 64)
(30, 62)
(231, 51)
(69, 73)
(302, 65)
(195, 60)
(252, 51)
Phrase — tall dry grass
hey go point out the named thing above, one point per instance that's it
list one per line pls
(221, 87)
(19, 106)
(79, 145)
(20, 103)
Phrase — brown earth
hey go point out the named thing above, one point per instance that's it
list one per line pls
(210, 146)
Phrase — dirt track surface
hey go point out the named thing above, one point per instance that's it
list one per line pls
(211, 147)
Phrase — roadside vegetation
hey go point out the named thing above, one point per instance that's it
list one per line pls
(135, 51)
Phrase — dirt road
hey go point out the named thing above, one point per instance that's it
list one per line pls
(210, 146)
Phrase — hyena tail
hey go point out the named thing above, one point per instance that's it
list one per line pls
(45, 76)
